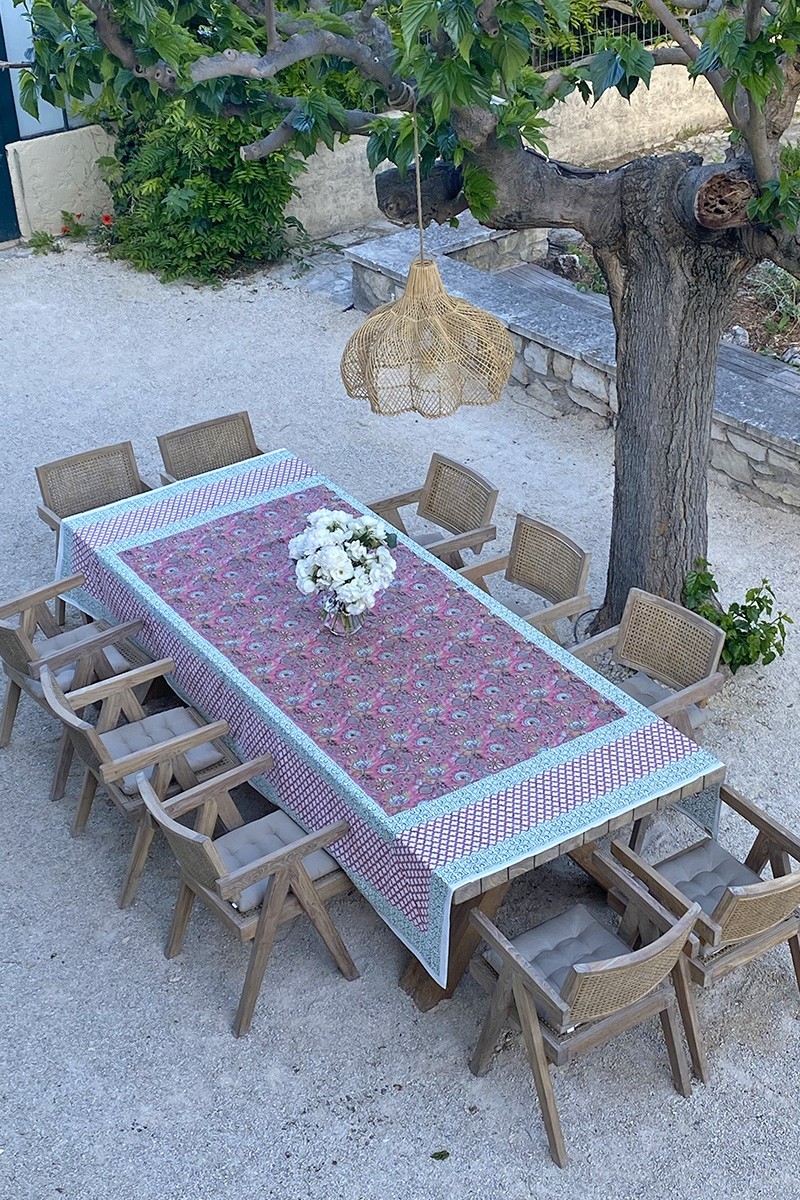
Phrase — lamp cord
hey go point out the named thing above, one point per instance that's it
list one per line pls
(419, 184)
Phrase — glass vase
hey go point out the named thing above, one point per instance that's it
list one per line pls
(336, 619)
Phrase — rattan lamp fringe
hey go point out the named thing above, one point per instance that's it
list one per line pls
(427, 352)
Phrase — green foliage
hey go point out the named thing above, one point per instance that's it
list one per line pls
(73, 226)
(619, 62)
(42, 242)
(595, 279)
(753, 631)
(188, 206)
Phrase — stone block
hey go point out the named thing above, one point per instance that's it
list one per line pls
(755, 451)
(562, 366)
(586, 401)
(783, 462)
(613, 399)
(550, 400)
(788, 493)
(731, 462)
(519, 372)
(537, 357)
(718, 432)
(589, 379)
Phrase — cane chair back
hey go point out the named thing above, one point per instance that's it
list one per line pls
(546, 561)
(208, 445)
(89, 480)
(745, 912)
(595, 990)
(195, 852)
(456, 497)
(666, 641)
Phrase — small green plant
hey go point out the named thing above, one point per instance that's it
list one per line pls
(754, 632)
(73, 225)
(42, 242)
(782, 291)
(588, 263)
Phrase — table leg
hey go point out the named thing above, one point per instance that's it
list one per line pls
(464, 939)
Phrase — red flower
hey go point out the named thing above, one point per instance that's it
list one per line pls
(78, 216)
(107, 219)
(65, 228)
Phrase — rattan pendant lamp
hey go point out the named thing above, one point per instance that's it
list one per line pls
(427, 352)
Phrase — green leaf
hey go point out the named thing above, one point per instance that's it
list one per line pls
(29, 94)
(45, 17)
(415, 16)
(605, 71)
(440, 1155)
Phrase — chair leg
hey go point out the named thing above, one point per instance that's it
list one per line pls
(531, 1031)
(677, 1058)
(180, 920)
(794, 950)
(13, 693)
(496, 1018)
(259, 955)
(136, 863)
(84, 804)
(691, 1025)
(303, 888)
(61, 775)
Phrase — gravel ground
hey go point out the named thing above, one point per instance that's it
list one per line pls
(123, 1079)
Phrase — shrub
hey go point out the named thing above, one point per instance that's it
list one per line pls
(752, 633)
(187, 205)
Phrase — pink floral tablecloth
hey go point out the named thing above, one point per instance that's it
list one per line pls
(454, 738)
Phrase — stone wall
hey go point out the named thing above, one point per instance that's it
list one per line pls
(564, 362)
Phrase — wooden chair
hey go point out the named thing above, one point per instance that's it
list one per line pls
(742, 915)
(254, 878)
(31, 638)
(175, 748)
(674, 654)
(207, 446)
(572, 985)
(456, 499)
(544, 561)
(85, 481)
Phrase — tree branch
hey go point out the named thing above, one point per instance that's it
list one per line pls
(664, 56)
(117, 44)
(314, 44)
(357, 123)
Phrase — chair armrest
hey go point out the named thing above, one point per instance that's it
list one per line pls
(73, 654)
(773, 831)
(232, 885)
(131, 764)
(95, 692)
(22, 603)
(565, 608)
(587, 650)
(462, 541)
(664, 892)
(480, 571)
(618, 880)
(49, 517)
(167, 479)
(689, 695)
(399, 501)
(203, 792)
(146, 487)
(534, 980)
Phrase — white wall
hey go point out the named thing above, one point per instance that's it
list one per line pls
(58, 172)
(337, 191)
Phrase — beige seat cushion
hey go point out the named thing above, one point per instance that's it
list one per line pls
(251, 842)
(74, 638)
(160, 727)
(649, 692)
(564, 941)
(704, 871)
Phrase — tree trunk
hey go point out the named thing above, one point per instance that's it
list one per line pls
(671, 285)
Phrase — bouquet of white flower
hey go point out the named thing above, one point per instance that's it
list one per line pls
(345, 556)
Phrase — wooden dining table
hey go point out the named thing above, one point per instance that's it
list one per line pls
(462, 746)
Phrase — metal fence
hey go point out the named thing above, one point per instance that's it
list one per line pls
(615, 18)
